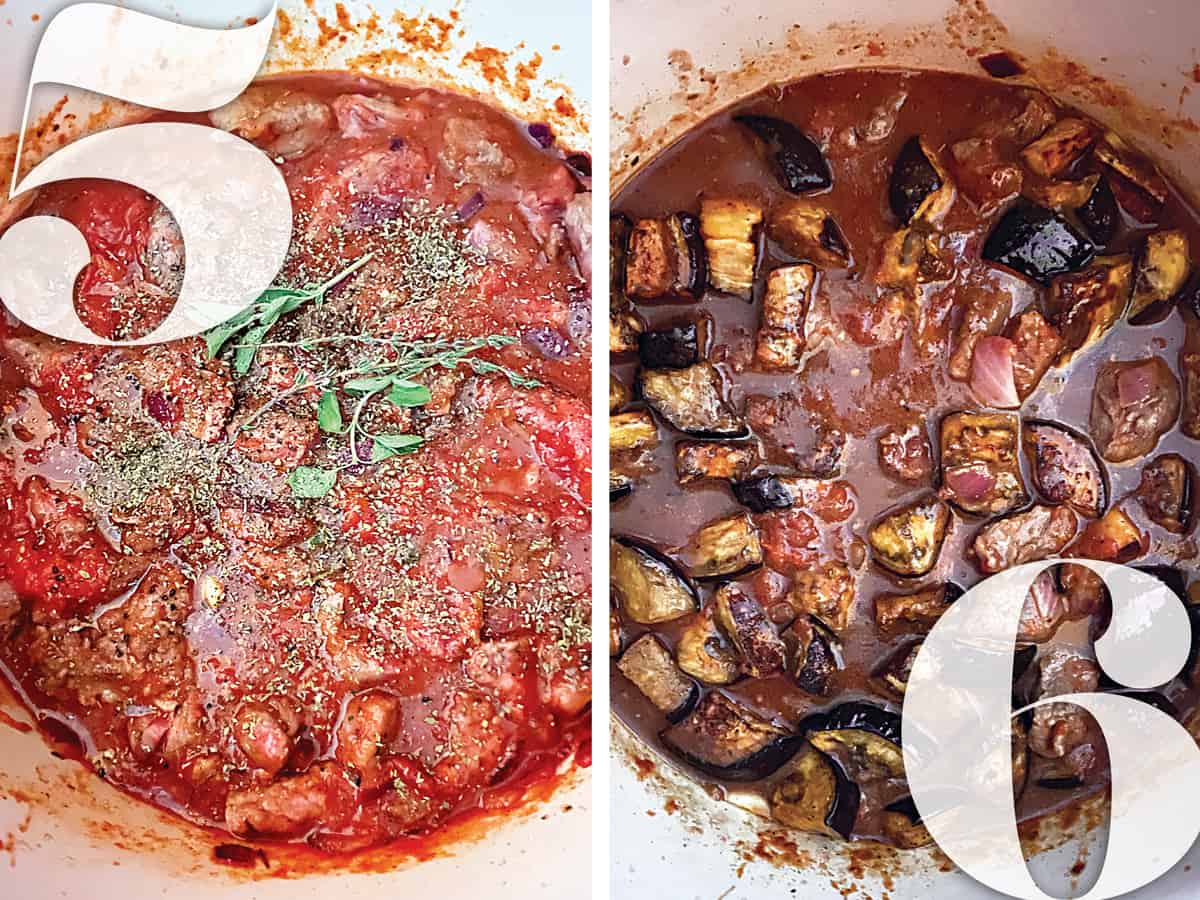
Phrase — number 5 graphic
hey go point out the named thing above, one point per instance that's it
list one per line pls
(957, 727)
(231, 203)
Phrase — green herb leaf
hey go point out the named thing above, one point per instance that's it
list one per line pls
(408, 394)
(247, 347)
(388, 445)
(311, 483)
(367, 385)
(329, 413)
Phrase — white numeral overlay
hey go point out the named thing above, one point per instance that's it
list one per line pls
(957, 733)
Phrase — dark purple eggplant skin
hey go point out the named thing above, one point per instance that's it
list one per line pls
(1100, 215)
(913, 179)
(856, 715)
(753, 767)
(615, 494)
(847, 798)
(619, 227)
(833, 240)
(689, 226)
(1037, 243)
(760, 495)
(802, 168)
(676, 347)
(820, 663)
(1191, 671)
(953, 592)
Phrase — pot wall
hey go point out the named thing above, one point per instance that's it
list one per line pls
(673, 64)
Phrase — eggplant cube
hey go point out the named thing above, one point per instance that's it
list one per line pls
(677, 347)
(916, 612)
(726, 547)
(632, 431)
(619, 227)
(807, 231)
(1189, 369)
(649, 588)
(665, 259)
(1065, 469)
(825, 592)
(1036, 346)
(691, 400)
(1087, 304)
(920, 187)
(800, 166)
(726, 740)
(1162, 271)
(1133, 167)
(648, 665)
(624, 325)
(699, 460)
(865, 735)
(728, 227)
(1060, 148)
(816, 796)
(760, 648)
(702, 653)
(815, 654)
(981, 466)
(1166, 492)
(1037, 243)
(780, 344)
(908, 540)
(618, 393)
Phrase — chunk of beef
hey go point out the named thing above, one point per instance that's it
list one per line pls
(360, 115)
(10, 606)
(578, 221)
(477, 744)
(371, 722)
(918, 611)
(183, 391)
(1112, 538)
(1044, 610)
(1165, 492)
(279, 437)
(1037, 533)
(826, 592)
(985, 312)
(282, 122)
(291, 806)
(1133, 405)
(266, 522)
(470, 151)
(163, 518)
(1037, 344)
(983, 174)
(1059, 728)
(1189, 367)
(905, 453)
(265, 735)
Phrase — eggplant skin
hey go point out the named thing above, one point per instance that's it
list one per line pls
(913, 179)
(1099, 214)
(649, 588)
(816, 796)
(723, 548)
(760, 648)
(725, 740)
(619, 228)
(869, 733)
(802, 169)
(1037, 243)
(701, 653)
(677, 347)
(760, 495)
(691, 400)
(856, 715)
(648, 665)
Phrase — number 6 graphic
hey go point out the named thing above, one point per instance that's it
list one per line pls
(956, 730)
(231, 203)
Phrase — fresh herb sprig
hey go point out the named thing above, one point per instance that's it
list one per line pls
(253, 323)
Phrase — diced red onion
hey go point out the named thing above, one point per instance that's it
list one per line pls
(549, 342)
(1135, 385)
(160, 408)
(970, 484)
(542, 133)
(472, 206)
(992, 377)
(396, 143)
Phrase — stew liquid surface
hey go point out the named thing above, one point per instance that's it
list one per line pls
(324, 578)
(793, 515)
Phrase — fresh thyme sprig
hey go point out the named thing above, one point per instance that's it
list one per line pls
(254, 322)
(386, 377)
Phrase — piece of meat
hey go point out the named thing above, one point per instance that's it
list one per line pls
(293, 805)
(266, 522)
(1189, 368)
(279, 437)
(477, 745)
(1083, 591)
(1133, 405)
(825, 591)
(183, 391)
(1034, 119)
(564, 678)
(981, 466)
(1113, 538)
(164, 256)
(983, 174)
(1065, 470)
(1044, 610)
(1165, 492)
(896, 613)
(1037, 344)
(264, 736)
(371, 722)
(1059, 728)
(578, 221)
(358, 115)
(1035, 534)
(52, 512)
(369, 188)
(161, 519)
(905, 453)
(10, 606)
(472, 154)
(284, 123)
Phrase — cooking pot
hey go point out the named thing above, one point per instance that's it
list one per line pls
(675, 63)
(64, 832)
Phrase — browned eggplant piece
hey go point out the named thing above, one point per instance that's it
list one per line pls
(760, 649)
(618, 393)
(893, 673)
(800, 166)
(1113, 538)
(698, 460)
(1060, 148)
(1038, 243)
(620, 484)
(724, 548)
(1065, 468)
(648, 587)
(1099, 214)
(1134, 404)
(908, 540)
(632, 431)
(865, 737)
(624, 325)
(1166, 492)
(614, 633)
(666, 259)
(815, 652)
(903, 827)
(1086, 305)
(1134, 168)
(691, 400)
(677, 347)
(728, 227)
(1064, 195)
(701, 651)
(619, 227)
(724, 739)
(648, 665)
(816, 796)
(981, 466)
(807, 231)
(780, 343)
(920, 187)
(919, 611)
(1162, 270)
(825, 592)
(1036, 346)
(1037, 533)
(1189, 368)
(905, 453)
(771, 492)
(915, 256)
